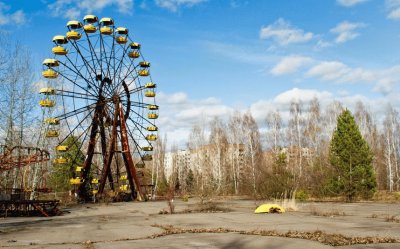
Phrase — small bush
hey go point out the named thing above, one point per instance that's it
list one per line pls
(302, 195)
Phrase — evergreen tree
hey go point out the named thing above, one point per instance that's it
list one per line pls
(351, 159)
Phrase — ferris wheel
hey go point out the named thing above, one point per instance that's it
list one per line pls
(101, 96)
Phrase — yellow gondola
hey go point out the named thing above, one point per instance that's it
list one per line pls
(134, 54)
(47, 103)
(61, 160)
(150, 94)
(52, 121)
(95, 191)
(52, 133)
(143, 73)
(144, 64)
(71, 25)
(74, 35)
(78, 169)
(140, 165)
(152, 107)
(151, 137)
(121, 31)
(90, 19)
(58, 50)
(121, 39)
(134, 45)
(106, 30)
(152, 115)
(47, 91)
(147, 158)
(147, 148)
(150, 85)
(75, 181)
(123, 187)
(60, 40)
(62, 148)
(123, 177)
(89, 28)
(95, 181)
(50, 74)
(152, 128)
(106, 21)
(51, 63)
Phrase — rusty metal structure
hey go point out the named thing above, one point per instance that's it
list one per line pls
(16, 201)
(102, 87)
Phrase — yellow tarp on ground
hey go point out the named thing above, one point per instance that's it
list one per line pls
(269, 208)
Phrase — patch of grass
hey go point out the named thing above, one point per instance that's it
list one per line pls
(374, 216)
(319, 236)
(331, 213)
(392, 218)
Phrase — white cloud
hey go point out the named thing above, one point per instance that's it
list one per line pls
(174, 5)
(283, 33)
(346, 31)
(74, 9)
(18, 17)
(303, 95)
(393, 8)
(290, 64)
(328, 70)
(350, 3)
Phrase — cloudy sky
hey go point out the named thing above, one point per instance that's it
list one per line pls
(210, 57)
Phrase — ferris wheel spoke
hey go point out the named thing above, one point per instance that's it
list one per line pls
(78, 72)
(74, 83)
(76, 46)
(76, 127)
(72, 94)
(138, 127)
(76, 111)
(93, 53)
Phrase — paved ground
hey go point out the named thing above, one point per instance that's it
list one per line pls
(131, 225)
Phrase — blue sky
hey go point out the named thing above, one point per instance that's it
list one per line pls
(210, 57)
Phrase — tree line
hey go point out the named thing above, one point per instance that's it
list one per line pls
(301, 155)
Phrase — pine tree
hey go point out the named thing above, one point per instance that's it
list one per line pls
(351, 159)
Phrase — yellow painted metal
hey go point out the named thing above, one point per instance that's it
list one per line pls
(106, 30)
(151, 137)
(47, 91)
(89, 28)
(152, 107)
(74, 35)
(60, 39)
(134, 54)
(121, 39)
(62, 148)
(140, 165)
(147, 157)
(150, 94)
(74, 24)
(52, 133)
(58, 50)
(150, 85)
(269, 208)
(95, 181)
(144, 64)
(78, 169)
(106, 21)
(143, 73)
(134, 45)
(75, 181)
(90, 19)
(122, 31)
(95, 191)
(47, 103)
(123, 187)
(123, 177)
(50, 74)
(61, 160)
(51, 62)
(152, 115)
(152, 128)
(147, 148)
(52, 121)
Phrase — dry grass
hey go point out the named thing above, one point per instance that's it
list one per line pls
(332, 213)
(392, 218)
(319, 236)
